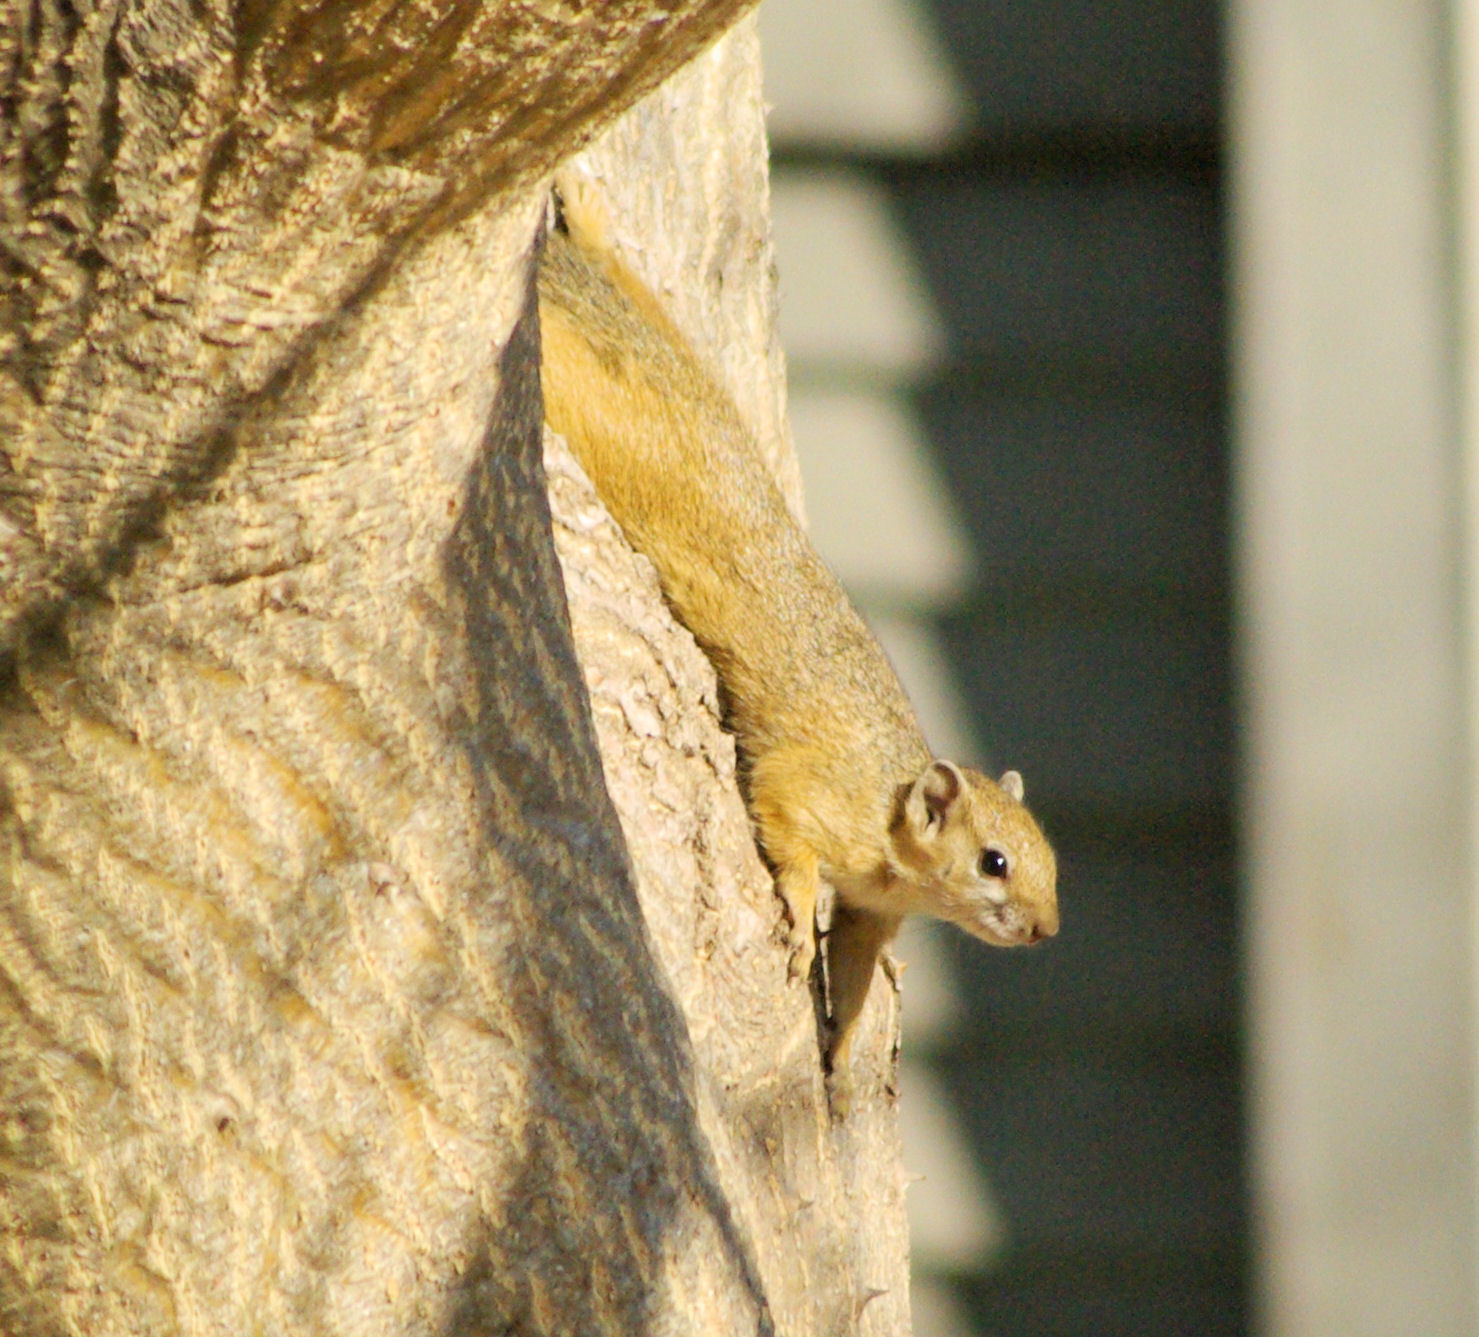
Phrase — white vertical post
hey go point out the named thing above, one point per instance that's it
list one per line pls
(1464, 34)
(1354, 533)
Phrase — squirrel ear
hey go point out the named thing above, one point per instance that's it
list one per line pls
(1011, 781)
(934, 794)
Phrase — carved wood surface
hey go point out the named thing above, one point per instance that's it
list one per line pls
(194, 197)
(328, 1000)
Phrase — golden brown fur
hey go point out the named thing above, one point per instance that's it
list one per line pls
(841, 785)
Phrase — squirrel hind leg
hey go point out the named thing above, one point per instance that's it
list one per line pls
(854, 944)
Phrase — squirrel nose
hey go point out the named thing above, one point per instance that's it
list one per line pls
(1043, 926)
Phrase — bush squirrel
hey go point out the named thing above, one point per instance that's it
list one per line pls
(840, 784)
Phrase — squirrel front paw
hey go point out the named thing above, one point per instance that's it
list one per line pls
(796, 882)
(803, 948)
(839, 1092)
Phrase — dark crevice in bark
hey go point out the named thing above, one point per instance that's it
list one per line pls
(617, 1089)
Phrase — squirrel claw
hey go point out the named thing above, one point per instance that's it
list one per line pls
(803, 953)
(839, 1093)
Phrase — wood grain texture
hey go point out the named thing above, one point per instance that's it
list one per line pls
(192, 195)
(329, 1000)
(315, 909)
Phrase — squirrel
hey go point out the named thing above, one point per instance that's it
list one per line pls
(840, 783)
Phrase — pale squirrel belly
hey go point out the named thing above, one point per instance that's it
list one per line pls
(840, 784)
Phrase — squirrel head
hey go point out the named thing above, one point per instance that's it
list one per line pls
(976, 855)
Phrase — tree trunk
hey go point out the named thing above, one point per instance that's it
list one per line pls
(333, 998)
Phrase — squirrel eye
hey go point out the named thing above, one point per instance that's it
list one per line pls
(993, 863)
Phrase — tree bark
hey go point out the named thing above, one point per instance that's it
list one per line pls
(332, 997)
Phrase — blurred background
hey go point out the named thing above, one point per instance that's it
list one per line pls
(1125, 342)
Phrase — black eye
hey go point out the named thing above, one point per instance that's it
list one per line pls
(993, 863)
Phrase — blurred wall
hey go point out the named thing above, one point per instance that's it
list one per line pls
(1352, 203)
